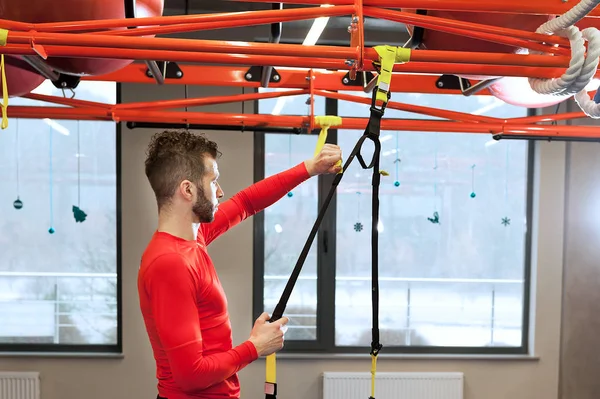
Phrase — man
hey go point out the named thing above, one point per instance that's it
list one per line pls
(181, 298)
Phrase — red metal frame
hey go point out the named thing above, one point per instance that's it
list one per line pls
(303, 70)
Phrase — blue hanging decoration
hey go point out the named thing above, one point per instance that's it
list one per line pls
(473, 181)
(17, 204)
(51, 229)
(290, 194)
(397, 161)
(78, 214)
(505, 219)
(597, 97)
(358, 226)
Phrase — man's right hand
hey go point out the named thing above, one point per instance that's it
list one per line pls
(267, 337)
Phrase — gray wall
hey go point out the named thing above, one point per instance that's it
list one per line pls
(580, 349)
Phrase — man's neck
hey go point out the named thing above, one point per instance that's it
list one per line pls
(176, 225)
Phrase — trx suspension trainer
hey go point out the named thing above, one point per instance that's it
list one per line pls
(388, 56)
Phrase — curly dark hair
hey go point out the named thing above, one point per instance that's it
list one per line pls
(174, 156)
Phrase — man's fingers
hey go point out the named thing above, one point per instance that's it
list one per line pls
(264, 316)
(283, 321)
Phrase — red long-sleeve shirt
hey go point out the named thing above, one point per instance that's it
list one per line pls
(184, 306)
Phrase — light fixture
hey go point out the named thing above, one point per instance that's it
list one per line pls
(316, 29)
(57, 126)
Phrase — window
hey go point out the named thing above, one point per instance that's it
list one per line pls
(59, 290)
(453, 232)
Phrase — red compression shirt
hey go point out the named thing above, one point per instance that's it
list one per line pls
(184, 306)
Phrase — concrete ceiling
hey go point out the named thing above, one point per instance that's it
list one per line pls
(376, 31)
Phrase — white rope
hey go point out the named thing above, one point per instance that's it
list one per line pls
(582, 68)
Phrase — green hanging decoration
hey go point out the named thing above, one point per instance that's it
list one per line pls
(435, 219)
(505, 219)
(358, 226)
(473, 181)
(17, 204)
(78, 214)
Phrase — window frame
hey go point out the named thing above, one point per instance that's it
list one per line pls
(79, 349)
(325, 342)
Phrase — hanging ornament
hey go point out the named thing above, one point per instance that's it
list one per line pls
(290, 194)
(505, 219)
(358, 226)
(51, 229)
(17, 204)
(78, 214)
(435, 219)
(397, 162)
(473, 181)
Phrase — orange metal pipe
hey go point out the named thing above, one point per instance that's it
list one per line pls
(481, 70)
(292, 78)
(87, 41)
(428, 21)
(549, 118)
(496, 34)
(359, 15)
(66, 101)
(543, 7)
(68, 26)
(348, 123)
(195, 102)
(192, 27)
(440, 113)
(177, 56)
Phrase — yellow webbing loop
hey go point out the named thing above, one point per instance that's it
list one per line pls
(373, 371)
(388, 56)
(326, 121)
(3, 39)
(271, 376)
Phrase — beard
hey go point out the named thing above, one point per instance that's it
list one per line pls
(203, 209)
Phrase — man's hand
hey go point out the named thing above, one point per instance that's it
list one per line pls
(325, 161)
(268, 337)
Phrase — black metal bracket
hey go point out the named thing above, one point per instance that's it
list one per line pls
(65, 81)
(274, 37)
(362, 79)
(238, 128)
(254, 74)
(168, 69)
(452, 82)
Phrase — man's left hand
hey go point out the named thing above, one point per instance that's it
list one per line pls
(325, 161)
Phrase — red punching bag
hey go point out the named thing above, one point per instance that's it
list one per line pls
(512, 90)
(21, 78)
(40, 11)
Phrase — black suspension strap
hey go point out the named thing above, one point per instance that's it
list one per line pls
(389, 55)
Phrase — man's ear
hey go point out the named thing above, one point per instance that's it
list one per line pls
(186, 189)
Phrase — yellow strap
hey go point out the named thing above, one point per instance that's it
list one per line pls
(326, 121)
(388, 56)
(373, 370)
(271, 369)
(3, 39)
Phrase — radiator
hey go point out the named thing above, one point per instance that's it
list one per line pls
(19, 385)
(342, 385)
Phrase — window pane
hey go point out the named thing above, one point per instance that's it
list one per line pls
(57, 275)
(288, 222)
(451, 273)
